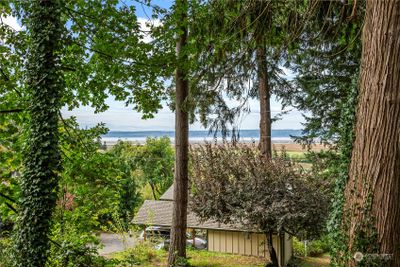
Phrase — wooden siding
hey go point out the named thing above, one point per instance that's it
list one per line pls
(251, 244)
(288, 241)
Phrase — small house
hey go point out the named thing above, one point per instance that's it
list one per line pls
(220, 237)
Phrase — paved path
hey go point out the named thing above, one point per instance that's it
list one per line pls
(115, 243)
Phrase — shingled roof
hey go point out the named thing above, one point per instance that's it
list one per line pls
(159, 213)
(169, 194)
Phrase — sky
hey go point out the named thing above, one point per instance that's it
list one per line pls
(121, 118)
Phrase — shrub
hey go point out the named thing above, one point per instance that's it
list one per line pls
(5, 252)
(142, 253)
(294, 262)
(314, 247)
(76, 255)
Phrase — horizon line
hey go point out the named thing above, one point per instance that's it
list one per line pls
(288, 129)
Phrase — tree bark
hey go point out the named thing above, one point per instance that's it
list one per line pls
(372, 207)
(153, 191)
(272, 253)
(177, 247)
(265, 107)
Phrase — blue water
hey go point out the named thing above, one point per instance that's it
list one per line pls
(245, 135)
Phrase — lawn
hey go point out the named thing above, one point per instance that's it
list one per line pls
(322, 261)
(146, 257)
(212, 259)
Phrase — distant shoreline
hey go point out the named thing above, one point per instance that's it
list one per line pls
(277, 144)
(112, 141)
(281, 136)
(199, 136)
(246, 132)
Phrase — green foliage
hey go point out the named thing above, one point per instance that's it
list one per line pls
(95, 56)
(336, 230)
(5, 252)
(156, 162)
(72, 255)
(312, 248)
(93, 197)
(324, 169)
(11, 136)
(152, 162)
(326, 64)
(324, 60)
(103, 54)
(80, 52)
(145, 255)
(142, 254)
(42, 158)
(181, 261)
(226, 37)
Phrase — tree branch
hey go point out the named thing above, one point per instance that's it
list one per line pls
(8, 198)
(54, 242)
(5, 76)
(16, 110)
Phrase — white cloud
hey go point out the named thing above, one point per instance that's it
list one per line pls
(145, 25)
(12, 22)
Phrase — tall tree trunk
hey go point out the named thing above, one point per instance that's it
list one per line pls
(153, 191)
(372, 208)
(272, 253)
(179, 220)
(265, 107)
(42, 156)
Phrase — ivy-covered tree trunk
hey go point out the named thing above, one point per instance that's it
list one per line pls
(42, 156)
(372, 208)
(177, 249)
(265, 107)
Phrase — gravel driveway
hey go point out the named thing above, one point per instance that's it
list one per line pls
(115, 243)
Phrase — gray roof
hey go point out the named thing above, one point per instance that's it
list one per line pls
(158, 212)
(169, 194)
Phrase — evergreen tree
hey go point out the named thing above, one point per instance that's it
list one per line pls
(324, 61)
(247, 47)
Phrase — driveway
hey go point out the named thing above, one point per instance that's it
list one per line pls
(115, 243)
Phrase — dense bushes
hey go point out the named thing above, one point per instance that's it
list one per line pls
(5, 252)
(151, 162)
(99, 190)
(72, 255)
(310, 248)
(141, 254)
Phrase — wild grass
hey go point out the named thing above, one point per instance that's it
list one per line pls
(203, 258)
(146, 256)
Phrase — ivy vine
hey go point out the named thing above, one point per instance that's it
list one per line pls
(339, 250)
(42, 155)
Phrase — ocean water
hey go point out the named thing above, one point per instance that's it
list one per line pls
(282, 136)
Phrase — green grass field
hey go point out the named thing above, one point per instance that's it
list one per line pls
(147, 257)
